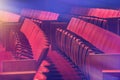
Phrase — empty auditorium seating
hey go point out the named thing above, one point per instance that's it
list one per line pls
(36, 15)
(75, 47)
(81, 50)
(105, 18)
(95, 35)
(30, 44)
(105, 23)
(35, 37)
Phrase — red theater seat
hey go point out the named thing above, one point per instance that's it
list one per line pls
(96, 35)
(39, 45)
(35, 38)
(41, 15)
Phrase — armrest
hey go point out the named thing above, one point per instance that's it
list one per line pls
(111, 71)
(23, 75)
(21, 72)
(19, 65)
(106, 61)
(111, 74)
(95, 63)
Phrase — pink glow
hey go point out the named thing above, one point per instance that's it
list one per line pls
(8, 17)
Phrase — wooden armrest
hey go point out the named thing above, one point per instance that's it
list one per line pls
(21, 72)
(19, 65)
(95, 63)
(111, 74)
(111, 71)
(22, 75)
(104, 61)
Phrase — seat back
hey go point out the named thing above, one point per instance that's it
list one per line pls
(102, 39)
(38, 14)
(35, 36)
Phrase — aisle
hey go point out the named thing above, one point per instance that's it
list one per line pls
(56, 67)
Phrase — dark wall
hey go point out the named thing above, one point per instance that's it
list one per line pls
(61, 6)
(50, 5)
(95, 3)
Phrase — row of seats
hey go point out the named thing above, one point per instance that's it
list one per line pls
(105, 23)
(31, 47)
(105, 18)
(85, 55)
(97, 12)
(97, 21)
(60, 70)
(47, 19)
(48, 75)
(75, 47)
(41, 15)
(28, 34)
(103, 13)
(91, 61)
(35, 36)
(63, 47)
(95, 35)
(37, 15)
(64, 40)
(101, 22)
(37, 40)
